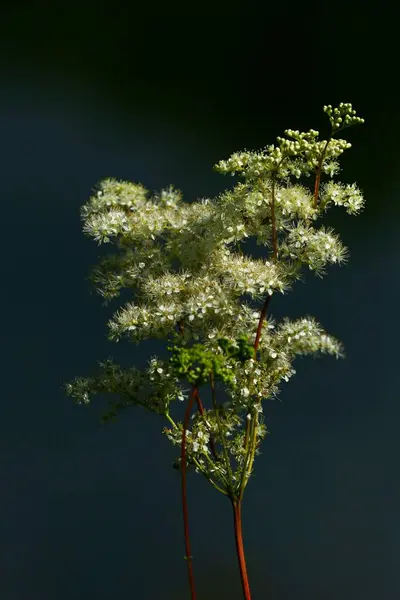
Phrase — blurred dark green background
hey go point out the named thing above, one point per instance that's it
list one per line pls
(93, 512)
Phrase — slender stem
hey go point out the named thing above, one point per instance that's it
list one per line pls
(318, 175)
(252, 449)
(242, 483)
(170, 419)
(201, 411)
(184, 498)
(221, 436)
(248, 447)
(273, 220)
(237, 520)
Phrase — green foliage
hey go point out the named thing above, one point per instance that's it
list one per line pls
(196, 363)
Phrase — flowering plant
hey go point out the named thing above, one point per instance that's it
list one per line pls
(189, 275)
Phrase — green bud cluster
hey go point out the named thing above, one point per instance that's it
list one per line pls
(295, 157)
(195, 364)
(342, 116)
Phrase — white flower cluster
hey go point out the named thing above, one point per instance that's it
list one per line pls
(212, 425)
(305, 336)
(202, 302)
(160, 373)
(198, 302)
(197, 446)
(188, 280)
(315, 247)
(121, 208)
(239, 212)
(197, 439)
(140, 321)
(259, 380)
(203, 296)
(295, 202)
(153, 388)
(112, 195)
(349, 196)
(127, 270)
(244, 275)
(243, 321)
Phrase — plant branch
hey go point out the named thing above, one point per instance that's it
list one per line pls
(237, 521)
(201, 411)
(221, 435)
(318, 174)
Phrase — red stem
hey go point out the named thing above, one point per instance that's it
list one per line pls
(318, 174)
(316, 186)
(184, 498)
(237, 519)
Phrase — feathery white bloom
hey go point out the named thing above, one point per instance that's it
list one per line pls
(340, 194)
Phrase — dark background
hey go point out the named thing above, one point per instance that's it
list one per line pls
(90, 511)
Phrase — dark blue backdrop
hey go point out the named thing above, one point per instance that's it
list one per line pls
(90, 511)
